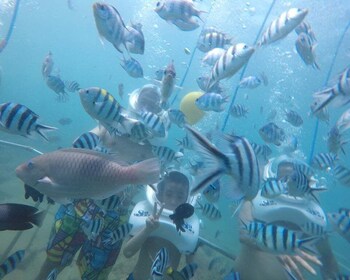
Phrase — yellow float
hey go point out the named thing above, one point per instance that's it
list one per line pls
(189, 108)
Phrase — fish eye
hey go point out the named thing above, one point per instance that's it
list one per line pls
(158, 4)
(299, 10)
(30, 165)
(245, 47)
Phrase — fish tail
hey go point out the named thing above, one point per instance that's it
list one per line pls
(322, 99)
(40, 127)
(306, 244)
(146, 172)
(216, 161)
(38, 218)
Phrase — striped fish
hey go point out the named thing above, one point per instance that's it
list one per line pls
(93, 227)
(112, 237)
(102, 106)
(132, 67)
(305, 27)
(272, 188)
(176, 9)
(236, 158)
(211, 101)
(177, 117)
(324, 161)
(160, 264)
(134, 39)
(213, 56)
(271, 133)
(165, 154)
(306, 50)
(210, 211)
(341, 223)
(139, 133)
(335, 140)
(212, 192)
(109, 203)
(283, 25)
(203, 81)
(342, 175)
(322, 115)
(110, 24)
(11, 262)
(72, 86)
(189, 270)
(19, 119)
(185, 143)
(294, 118)
(262, 151)
(230, 62)
(87, 140)
(338, 93)
(154, 123)
(239, 111)
(57, 85)
(212, 40)
(313, 229)
(252, 82)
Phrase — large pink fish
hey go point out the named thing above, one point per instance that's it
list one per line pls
(77, 174)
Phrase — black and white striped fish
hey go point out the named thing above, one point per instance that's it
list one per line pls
(185, 143)
(210, 211)
(306, 50)
(342, 175)
(324, 161)
(305, 27)
(132, 67)
(236, 158)
(239, 111)
(134, 39)
(57, 85)
(283, 25)
(19, 119)
(112, 237)
(109, 203)
(230, 62)
(87, 140)
(177, 117)
(252, 82)
(273, 187)
(211, 101)
(262, 151)
(93, 227)
(294, 118)
(212, 56)
(313, 229)
(72, 86)
(154, 123)
(189, 270)
(165, 154)
(212, 192)
(271, 133)
(176, 9)
(341, 223)
(338, 93)
(160, 264)
(139, 133)
(212, 40)
(203, 81)
(11, 262)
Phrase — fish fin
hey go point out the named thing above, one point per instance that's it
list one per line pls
(46, 180)
(37, 219)
(217, 163)
(306, 244)
(39, 127)
(322, 99)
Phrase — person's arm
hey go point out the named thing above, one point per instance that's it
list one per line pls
(135, 243)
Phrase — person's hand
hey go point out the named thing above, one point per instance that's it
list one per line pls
(152, 221)
(295, 264)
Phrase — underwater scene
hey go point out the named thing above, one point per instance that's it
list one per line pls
(175, 139)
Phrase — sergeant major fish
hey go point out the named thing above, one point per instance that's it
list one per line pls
(176, 9)
(57, 85)
(77, 174)
(211, 101)
(212, 56)
(11, 262)
(160, 264)
(271, 133)
(132, 67)
(112, 237)
(18, 119)
(305, 27)
(134, 39)
(294, 118)
(211, 40)
(306, 50)
(252, 82)
(283, 25)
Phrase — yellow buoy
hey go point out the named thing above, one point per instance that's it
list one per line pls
(189, 108)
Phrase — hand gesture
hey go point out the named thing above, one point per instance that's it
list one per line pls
(152, 221)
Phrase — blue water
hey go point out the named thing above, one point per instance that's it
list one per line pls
(78, 53)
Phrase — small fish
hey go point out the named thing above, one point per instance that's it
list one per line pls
(19, 217)
(176, 9)
(305, 27)
(132, 67)
(239, 111)
(185, 143)
(306, 50)
(11, 262)
(271, 133)
(154, 123)
(262, 151)
(341, 223)
(87, 140)
(47, 66)
(210, 211)
(110, 24)
(212, 192)
(283, 25)
(57, 85)
(75, 174)
(159, 74)
(139, 133)
(324, 161)
(213, 56)
(53, 274)
(252, 82)
(112, 237)
(165, 154)
(230, 63)
(335, 141)
(313, 229)
(211, 40)
(134, 39)
(294, 118)
(121, 90)
(72, 86)
(183, 211)
(109, 203)
(93, 228)
(160, 264)
(342, 175)
(203, 81)
(272, 188)
(187, 51)
(65, 121)
(211, 101)
(168, 83)
(177, 117)
(18, 119)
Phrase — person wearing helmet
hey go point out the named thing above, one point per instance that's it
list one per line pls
(291, 212)
(153, 229)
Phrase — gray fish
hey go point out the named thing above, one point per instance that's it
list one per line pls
(252, 82)
(203, 81)
(294, 118)
(47, 66)
(168, 83)
(77, 174)
(239, 111)
(134, 39)
(271, 133)
(306, 50)
(132, 67)
(212, 101)
(72, 86)
(177, 117)
(186, 25)
(305, 27)
(57, 85)
(11, 262)
(211, 40)
(176, 9)
(324, 161)
(342, 175)
(65, 121)
(18, 119)
(335, 141)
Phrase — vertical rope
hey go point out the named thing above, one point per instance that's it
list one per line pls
(245, 66)
(3, 42)
(314, 138)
